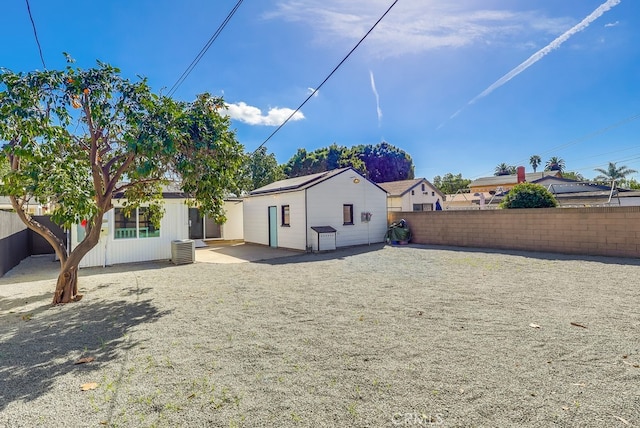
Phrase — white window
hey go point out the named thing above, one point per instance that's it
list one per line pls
(135, 225)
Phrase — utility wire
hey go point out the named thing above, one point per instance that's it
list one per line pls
(35, 33)
(584, 137)
(204, 50)
(327, 78)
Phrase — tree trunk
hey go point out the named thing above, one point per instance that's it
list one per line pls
(67, 286)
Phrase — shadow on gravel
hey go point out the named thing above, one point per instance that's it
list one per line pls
(530, 254)
(338, 254)
(39, 268)
(44, 345)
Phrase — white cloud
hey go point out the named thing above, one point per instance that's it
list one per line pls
(414, 26)
(612, 24)
(253, 115)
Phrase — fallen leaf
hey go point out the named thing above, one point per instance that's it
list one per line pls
(624, 421)
(88, 386)
(27, 317)
(532, 325)
(578, 325)
(84, 360)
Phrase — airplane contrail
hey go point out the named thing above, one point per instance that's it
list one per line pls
(375, 92)
(601, 10)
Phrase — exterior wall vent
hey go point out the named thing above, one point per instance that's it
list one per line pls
(183, 251)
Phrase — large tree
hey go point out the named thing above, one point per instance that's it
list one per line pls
(385, 162)
(380, 163)
(75, 138)
(450, 184)
(260, 169)
(613, 172)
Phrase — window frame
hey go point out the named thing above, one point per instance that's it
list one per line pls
(350, 216)
(133, 218)
(285, 219)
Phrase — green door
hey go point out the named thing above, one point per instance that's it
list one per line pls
(273, 227)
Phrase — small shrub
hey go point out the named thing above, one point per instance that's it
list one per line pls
(528, 195)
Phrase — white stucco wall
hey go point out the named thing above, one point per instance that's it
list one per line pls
(109, 251)
(256, 219)
(325, 208)
(233, 228)
(428, 196)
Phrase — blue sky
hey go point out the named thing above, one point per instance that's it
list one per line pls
(460, 85)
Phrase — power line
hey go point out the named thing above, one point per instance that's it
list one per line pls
(204, 50)
(327, 78)
(585, 137)
(35, 33)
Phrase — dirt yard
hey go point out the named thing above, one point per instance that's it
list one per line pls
(364, 337)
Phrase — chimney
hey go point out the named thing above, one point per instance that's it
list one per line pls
(521, 178)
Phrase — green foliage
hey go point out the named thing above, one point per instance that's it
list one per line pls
(323, 159)
(450, 184)
(571, 175)
(529, 195)
(535, 162)
(75, 138)
(630, 184)
(380, 163)
(260, 169)
(504, 169)
(613, 172)
(555, 164)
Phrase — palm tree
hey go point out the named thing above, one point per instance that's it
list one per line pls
(535, 161)
(555, 164)
(614, 172)
(504, 169)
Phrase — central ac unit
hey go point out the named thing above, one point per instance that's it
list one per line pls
(183, 251)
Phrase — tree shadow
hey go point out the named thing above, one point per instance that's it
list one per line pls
(338, 254)
(45, 268)
(530, 254)
(38, 349)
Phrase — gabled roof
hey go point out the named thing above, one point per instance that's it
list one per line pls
(498, 180)
(559, 185)
(304, 182)
(401, 187)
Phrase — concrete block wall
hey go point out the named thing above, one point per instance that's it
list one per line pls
(606, 231)
(14, 241)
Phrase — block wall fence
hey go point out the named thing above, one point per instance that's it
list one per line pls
(603, 231)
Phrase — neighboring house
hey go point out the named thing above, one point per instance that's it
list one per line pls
(504, 183)
(317, 212)
(127, 239)
(33, 209)
(572, 193)
(412, 195)
(569, 194)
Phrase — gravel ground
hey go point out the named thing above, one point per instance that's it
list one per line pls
(364, 337)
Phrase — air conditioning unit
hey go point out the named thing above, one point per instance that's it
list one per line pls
(183, 251)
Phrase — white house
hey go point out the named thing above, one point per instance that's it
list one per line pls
(412, 195)
(135, 239)
(319, 212)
